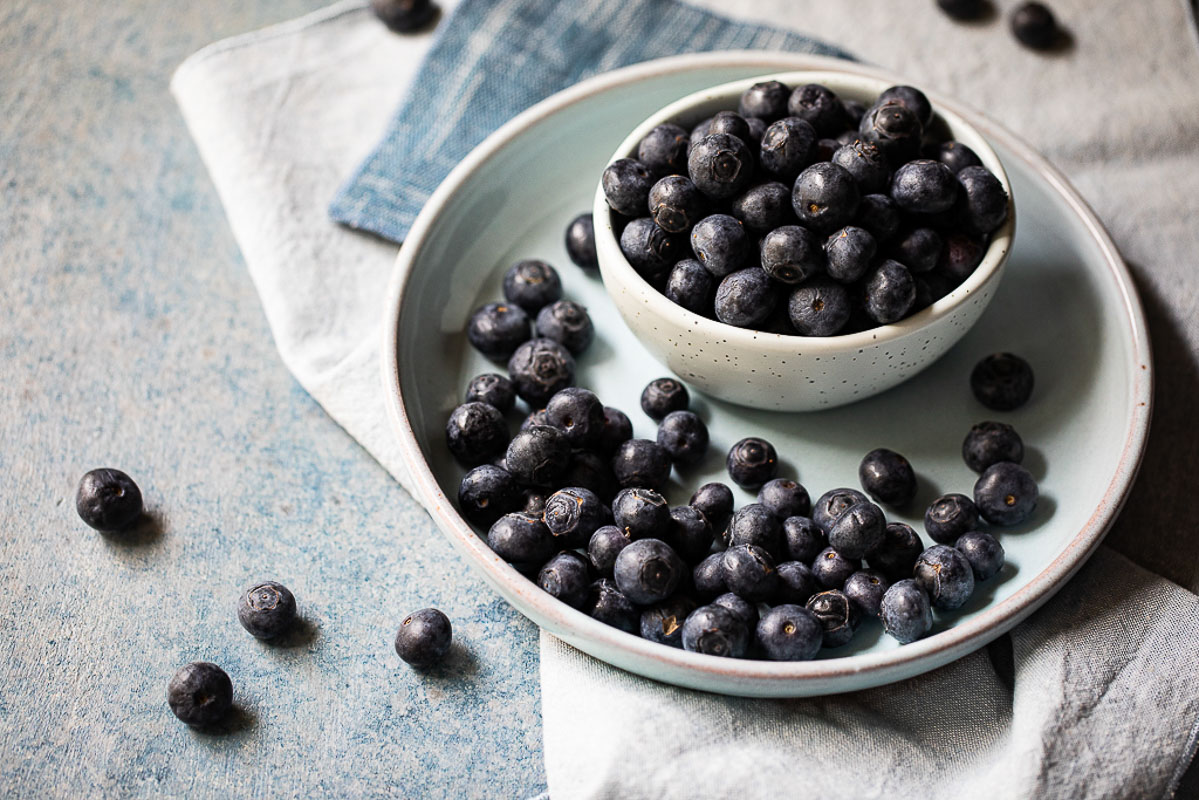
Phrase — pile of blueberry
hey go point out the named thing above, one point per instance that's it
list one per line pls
(806, 213)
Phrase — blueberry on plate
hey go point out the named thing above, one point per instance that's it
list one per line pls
(946, 575)
(825, 197)
(567, 577)
(616, 431)
(985, 205)
(538, 455)
(791, 254)
(424, 637)
(918, 249)
(715, 500)
(898, 553)
(590, 470)
(790, 632)
(108, 500)
(818, 106)
(567, 323)
(785, 498)
(690, 533)
(832, 504)
(641, 513)
(532, 285)
(849, 253)
(539, 369)
(661, 396)
(983, 551)
(476, 433)
(989, 443)
(755, 524)
(745, 299)
(905, 611)
(956, 156)
(744, 610)
(949, 516)
(912, 98)
(890, 292)
(663, 151)
(1034, 25)
(641, 463)
(497, 329)
(494, 390)
(766, 100)
(878, 214)
(858, 532)
(609, 606)
(684, 437)
(803, 539)
(663, 622)
(1002, 381)
(573, 514)
(752, 462)
(521, 537)
(648, 571)
(924, 186)
(708, 577)
(764, 207)
(895, 128)
(721, 165)
(796, 582)
(831, 569)
(580, 242)
(721, 244)
(865, 589)
(267, 610)
(650, 250)
(404, 16)
(715, 631)
(605, 544)
(887, 477)
(786, 147)
(578, 413)
(691, 286)
(819, 307)
(1006, 494)
(962, 9)
(867, 164)
(749, 572)
(676, 205)
(960, 255)
(488, 492)
(626, 183)
(200, 694)
(837, 615)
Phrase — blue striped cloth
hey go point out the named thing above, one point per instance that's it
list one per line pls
(495, 58)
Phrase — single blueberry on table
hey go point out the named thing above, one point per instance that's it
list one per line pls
(683, 435)
(580, 241)
(641, 463)
(867, 163)
(946, 575)
(749, 571)
(1002, 381)
(532, 285)
(715, 500)
(267, 610)
(590, 470)
(663, 151)
(825, 197)
(764, 207)
(648, 571)
(476, 433)
(626, 183)
(650, 250)
(949, 516)
(785, 498)
(731, 123)
(609, 606)
(424, 637)
(791, 254)
(766, 100)
(567, 323)
(803, 539)
(752, 462)
(961, 253)
(755, 524)
(521, 537)
(912, 98)
(488, 492)
(895, 128)
(108, 500)
(831, 569)
(790, 632)
(820, 307)
(663, 622)
(662, 396)
(721, 243)
(983, 551)
(744, 610)
(494, 390)
(708, 577)
(796, 582)
(1034, 25)
(878, 214)
(838, 616)
(690, 533)
(567, 577)
(905, 611)
(887, 477)
(745, 299)
(984, 205)
(832, 504)
(605, 544)
(924, 186)
(989, 443)
(955, 155)
(616, 431)
(820, 107)
(721, 165)
(404, 16)
(890, 292)
(497, 329)
(539, 369)
(1006, 494)
(715, 631)
(641, 513)
(578, 413)
(786, 147)
(962, 9)
(849, 252)
(865, 589)
(572, 515)
(676, 205)
(900, 548)
(691, 286)
(858, 532)
(918, 249)
(200, 694)
(538, 455)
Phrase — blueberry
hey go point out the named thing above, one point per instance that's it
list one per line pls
(949, 517)
(757, 129)
(641, 463)
(538, 455)
(790, 633)
(764, 207)
(641, 513)
(946, 575)
(663, 622)
(989, 443)
(803, 539)
(912, 98)
(267, 610)
(663, 151)
(108, 500)
(603, 547)
(878, 214)
(521, 537)
(609, 606)
(698, 133)
(1034, 25)
(837, 615)
(675, 204)
(824, 149)
(766, 100)
(785, 498)
(731, 123)
(494, 390)
(616, 431)
(708, 576)
(755, 524)
(956, 156)
(796, 582)
(898, 553)
(825, 197)
(532, 285)
(962, 10)
(893, 127)
(404, 16)
(200, 694)
(832, 504)
(787, 147)
(752, 462)
(650, 250)
(1006, 494)
(858, 532)
(831, 569)
(626, 184)
(930, 287)
(535, 418)
(745, 299)
(905, 611)
(567, 323)
(566, 576)
(854, 111)
(715, 500)
(1002, 381)
(721, 244)
(820, 307)
(890, 292)
(887, 477)
(720, 165)
(867, 163)
(749, 571)
(497, 329)
(534, 502)
(662, 396)
(865, 589)
(487, 493)
(983, 551)
(476, 433)
(924, 186)
(919, 249)
(590, 470)
(818, 106)
(850, 252)
(684, 437)
(691, 286)
(960, 255)
(985, 203)
(690, 533)
(539, 369)
(716, 631)
(648, 571)
(742, 609)
(573, 514)
(578, 413)
(580, 241)
(791, 254)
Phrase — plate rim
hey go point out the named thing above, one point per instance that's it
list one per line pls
(742, 676)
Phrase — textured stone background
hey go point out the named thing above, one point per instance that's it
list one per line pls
(131, 336)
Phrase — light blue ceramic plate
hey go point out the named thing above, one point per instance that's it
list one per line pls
(1066, 304)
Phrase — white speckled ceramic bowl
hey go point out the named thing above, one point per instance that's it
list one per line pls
(797, 373)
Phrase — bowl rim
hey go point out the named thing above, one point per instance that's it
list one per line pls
(742, 676)
(614, 265)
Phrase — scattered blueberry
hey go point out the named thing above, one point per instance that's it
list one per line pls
(898, 553)
(962, 10)
(831, 569)
(497, 329)
(616, 431)
(676, 205)
(690, 533)
(745, 299)
(785, 498)
(609, 606)
(267, 610)
(626, 184)
(404, 16)
(580, 241)
(424, 637)
(720, 165)
(791, 254)
(476, 433)
(578, 413)
(766, 100)
(661, 396)
(566, 577)
(905, 611)
(850, 252)
(567, 323)
(663, 622)
(539, 369)
(650, 250)
(648, 571)
(749, 571)
(708, 576)
(1002, 382)
(663, 151)
(803, 539)
(494, 390)
(590, 470)
(989, 443)
(641, 463)
(858, 532)
(641, 513)
(1006, 494)
(108, 500)
(521, 537)
(837, 615)
(832, 504)
(486, 493)
(825, 197)
(716, 631)
(573, 514)
(538, 455)
(755, 524)
(983, 551)
(532, 285)
(865, 589)
(796, 582)
(949, 517)
(790, 632)
(946, 575)
(887, 477)
(683, 435)
(200, 694)
(1034, 25)
(820, 307)
(715, 500)
(605, 544)
(752, 462)
(691, 286)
